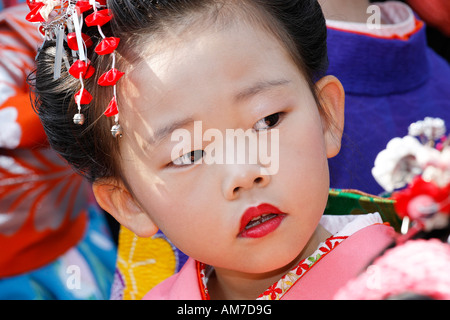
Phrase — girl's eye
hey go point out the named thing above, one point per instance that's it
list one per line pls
(269, 121)
(189, 158)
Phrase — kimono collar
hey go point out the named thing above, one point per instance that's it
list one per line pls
(397, 17)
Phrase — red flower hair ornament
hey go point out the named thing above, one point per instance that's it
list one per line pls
(107, 45)
(81, 68)
(98, 18)
(83, 97)
(83, 6)
(72, 41)
(35, 14)
(112, 108)
(59, 21)
(110, 78)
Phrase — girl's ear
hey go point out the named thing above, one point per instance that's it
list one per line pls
(114, 198)
(332, 97)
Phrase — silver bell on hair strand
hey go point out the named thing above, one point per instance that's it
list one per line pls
(117, 131)
(79, 119)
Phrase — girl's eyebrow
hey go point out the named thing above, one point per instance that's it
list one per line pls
(163, 132)
(259, 87)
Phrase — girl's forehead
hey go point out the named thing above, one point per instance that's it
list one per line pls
(210, 59)
(224, 18)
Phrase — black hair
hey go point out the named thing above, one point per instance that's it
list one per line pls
(91, 149)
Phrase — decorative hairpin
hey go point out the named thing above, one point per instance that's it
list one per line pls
(62, 21)
(416, 169)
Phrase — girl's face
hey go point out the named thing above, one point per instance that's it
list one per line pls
(239, 77)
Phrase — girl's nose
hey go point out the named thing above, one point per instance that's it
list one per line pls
(243, 177)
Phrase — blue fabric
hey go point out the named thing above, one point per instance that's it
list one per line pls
(53, 281)
(389, 84)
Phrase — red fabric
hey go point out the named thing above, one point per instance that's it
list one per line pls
(436, 13)
(43, 202)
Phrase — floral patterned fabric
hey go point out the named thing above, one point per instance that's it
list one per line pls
(43, 202)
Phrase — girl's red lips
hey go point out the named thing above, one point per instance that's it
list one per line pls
(254, 212)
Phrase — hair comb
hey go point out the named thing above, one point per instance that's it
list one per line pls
(62, 21)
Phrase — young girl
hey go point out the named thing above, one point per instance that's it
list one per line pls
(251, 231)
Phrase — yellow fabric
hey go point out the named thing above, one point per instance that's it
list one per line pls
(143, 263)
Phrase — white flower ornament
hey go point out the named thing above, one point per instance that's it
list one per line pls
(397, 164)
(429, 129)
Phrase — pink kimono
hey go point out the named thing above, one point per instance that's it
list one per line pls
(337, 260)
